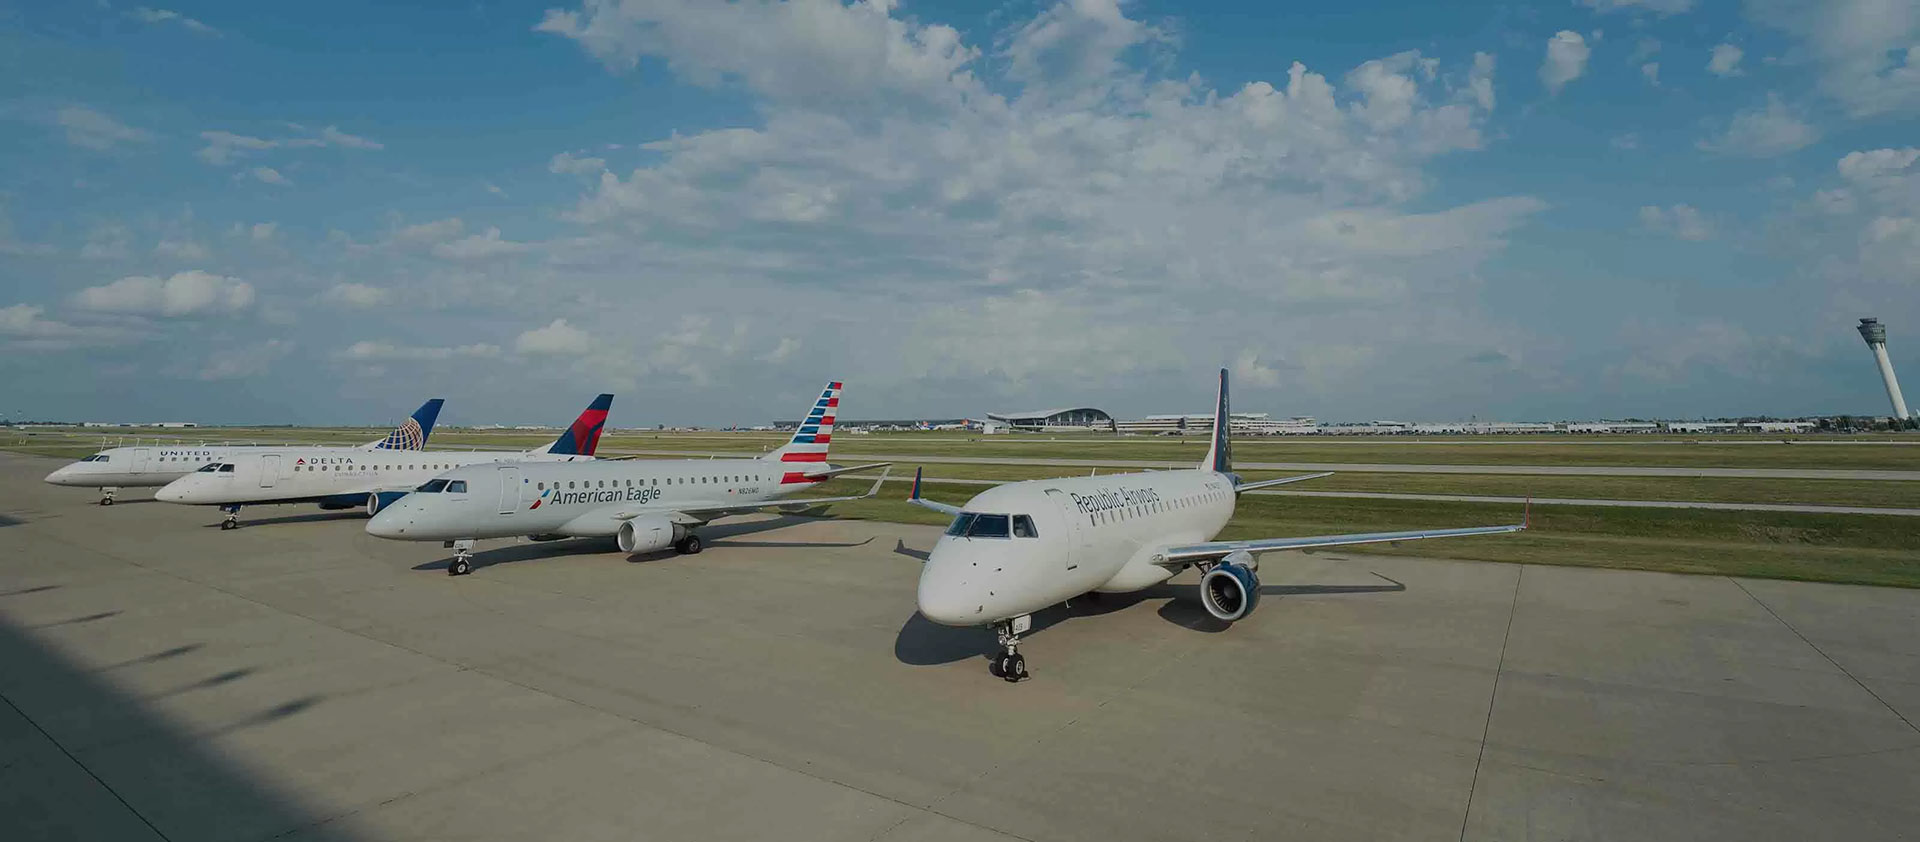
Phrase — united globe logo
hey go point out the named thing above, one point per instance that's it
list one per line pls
(408, 437)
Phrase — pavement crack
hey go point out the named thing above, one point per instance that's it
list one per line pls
(1823, 653)
(1492, 700)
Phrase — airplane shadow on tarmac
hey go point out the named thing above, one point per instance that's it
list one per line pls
(922, 642)
(313, 517)
(719, 535)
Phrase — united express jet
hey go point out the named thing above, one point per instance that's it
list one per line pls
(142, 466)
(645, 505)
(1018, 548)
(346, 478)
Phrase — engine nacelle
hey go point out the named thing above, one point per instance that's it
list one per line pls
(378, 500)
(646, 534)
(1231, 589)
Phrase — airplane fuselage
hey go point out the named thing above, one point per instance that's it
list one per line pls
(345, 476)
(1099, 533)
(577, 499)
(142, 466)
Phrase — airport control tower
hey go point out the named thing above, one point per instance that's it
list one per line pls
(1876, 335)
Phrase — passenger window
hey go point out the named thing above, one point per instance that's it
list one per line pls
(458, 486)
(1023, 527)
(540, 486)
(988, 526)
(569, 483)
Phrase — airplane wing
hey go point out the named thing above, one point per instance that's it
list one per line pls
(828, 473)
(702, 514)
(1187, 554)
(1249, 486)
(915, 498)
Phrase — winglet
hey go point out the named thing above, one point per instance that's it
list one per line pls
(1526, 517)
(914, 492)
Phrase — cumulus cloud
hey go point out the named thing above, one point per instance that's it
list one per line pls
(188, 293)
(1682, 221)
(556, 339)
(1725, 60)
(90, 129)
(567, 162)
(1763, 132)
(159, 16)
(1566, 60)
(479, 247)
(357, 295)
(1865, 53)
(371, 350)
(268, 175)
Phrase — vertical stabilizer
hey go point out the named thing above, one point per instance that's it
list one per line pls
(583, 437)
(809, 443)
(412, 434)
(1219, 454)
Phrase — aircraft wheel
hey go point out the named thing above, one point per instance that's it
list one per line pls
(106, 501)
(996, 667)
(690, 545)
(1016, 668)
(459, 566)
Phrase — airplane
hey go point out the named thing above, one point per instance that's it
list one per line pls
(1017, 548)
(345, 478)
(144, 466)
(645, 505)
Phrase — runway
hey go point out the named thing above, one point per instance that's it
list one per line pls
(297, 679)
(1352, 467)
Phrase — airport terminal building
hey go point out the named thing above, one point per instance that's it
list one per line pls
(1074, 419)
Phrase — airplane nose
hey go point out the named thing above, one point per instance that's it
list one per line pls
(170, 494)
(391, 522)
(945, 595)
(60, 477)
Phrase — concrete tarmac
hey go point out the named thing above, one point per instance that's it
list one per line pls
(297, 679)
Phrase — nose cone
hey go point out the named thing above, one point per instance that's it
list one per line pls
(948, 591)
(178, 491)
(392, 521)
(63, 476)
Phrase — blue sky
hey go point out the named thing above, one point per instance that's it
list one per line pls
(234, 212)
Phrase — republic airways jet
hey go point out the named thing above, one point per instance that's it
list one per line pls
(644, 505)
(1024, 546)
(154, 466)
(344, 478)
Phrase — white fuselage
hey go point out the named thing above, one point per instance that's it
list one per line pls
(300, 474)
(1099, 533)
(142, 466)
(577, 499)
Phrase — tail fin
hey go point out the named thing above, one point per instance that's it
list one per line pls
(809, 443)
(583, 437)
(412, 434)
(1220, 455)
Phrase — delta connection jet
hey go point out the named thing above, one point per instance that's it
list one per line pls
(1024, 546)
(154, 466)
(645, 505)
(345, 478)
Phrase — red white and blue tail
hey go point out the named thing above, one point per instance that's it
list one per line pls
(804, 455)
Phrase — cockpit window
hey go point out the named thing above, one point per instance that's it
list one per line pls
(208, 469)
(97, 457)
(226, 467)
(457, 486)
(961, 524)
(433, 486)
(988, 526)
(1023, 527)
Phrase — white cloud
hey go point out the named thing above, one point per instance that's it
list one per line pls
(245, 361)
(1866, 53)
(188, 293)
(1682, 221)
(263, 231)
(158, 16)
(1566, 60)
(1658, 7)
(1651, 70)
(370, 350)
(1725, 60)
(1630, 140)
(1763, 132)
(495, 190)
(1878, 166)
(92, 129)
(556, 339)
(268, 175)
(225, 147)
(357, 295)
(425, 233)
(479, 247)
(24, 327)
(107, 242)
(788, 347)
(567, 162)
(187, 250)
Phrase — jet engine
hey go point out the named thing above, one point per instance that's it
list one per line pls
(646, 534)
(1232, 588)
(378, 500)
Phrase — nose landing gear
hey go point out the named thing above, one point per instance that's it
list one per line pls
(106, 495)
(1010, 664)
(462, 562)
(232, 519)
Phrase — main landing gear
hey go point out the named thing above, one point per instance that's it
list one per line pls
(689, 545)
(232, 520)
(106, 495)
(462, 562)
(1010, 664)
